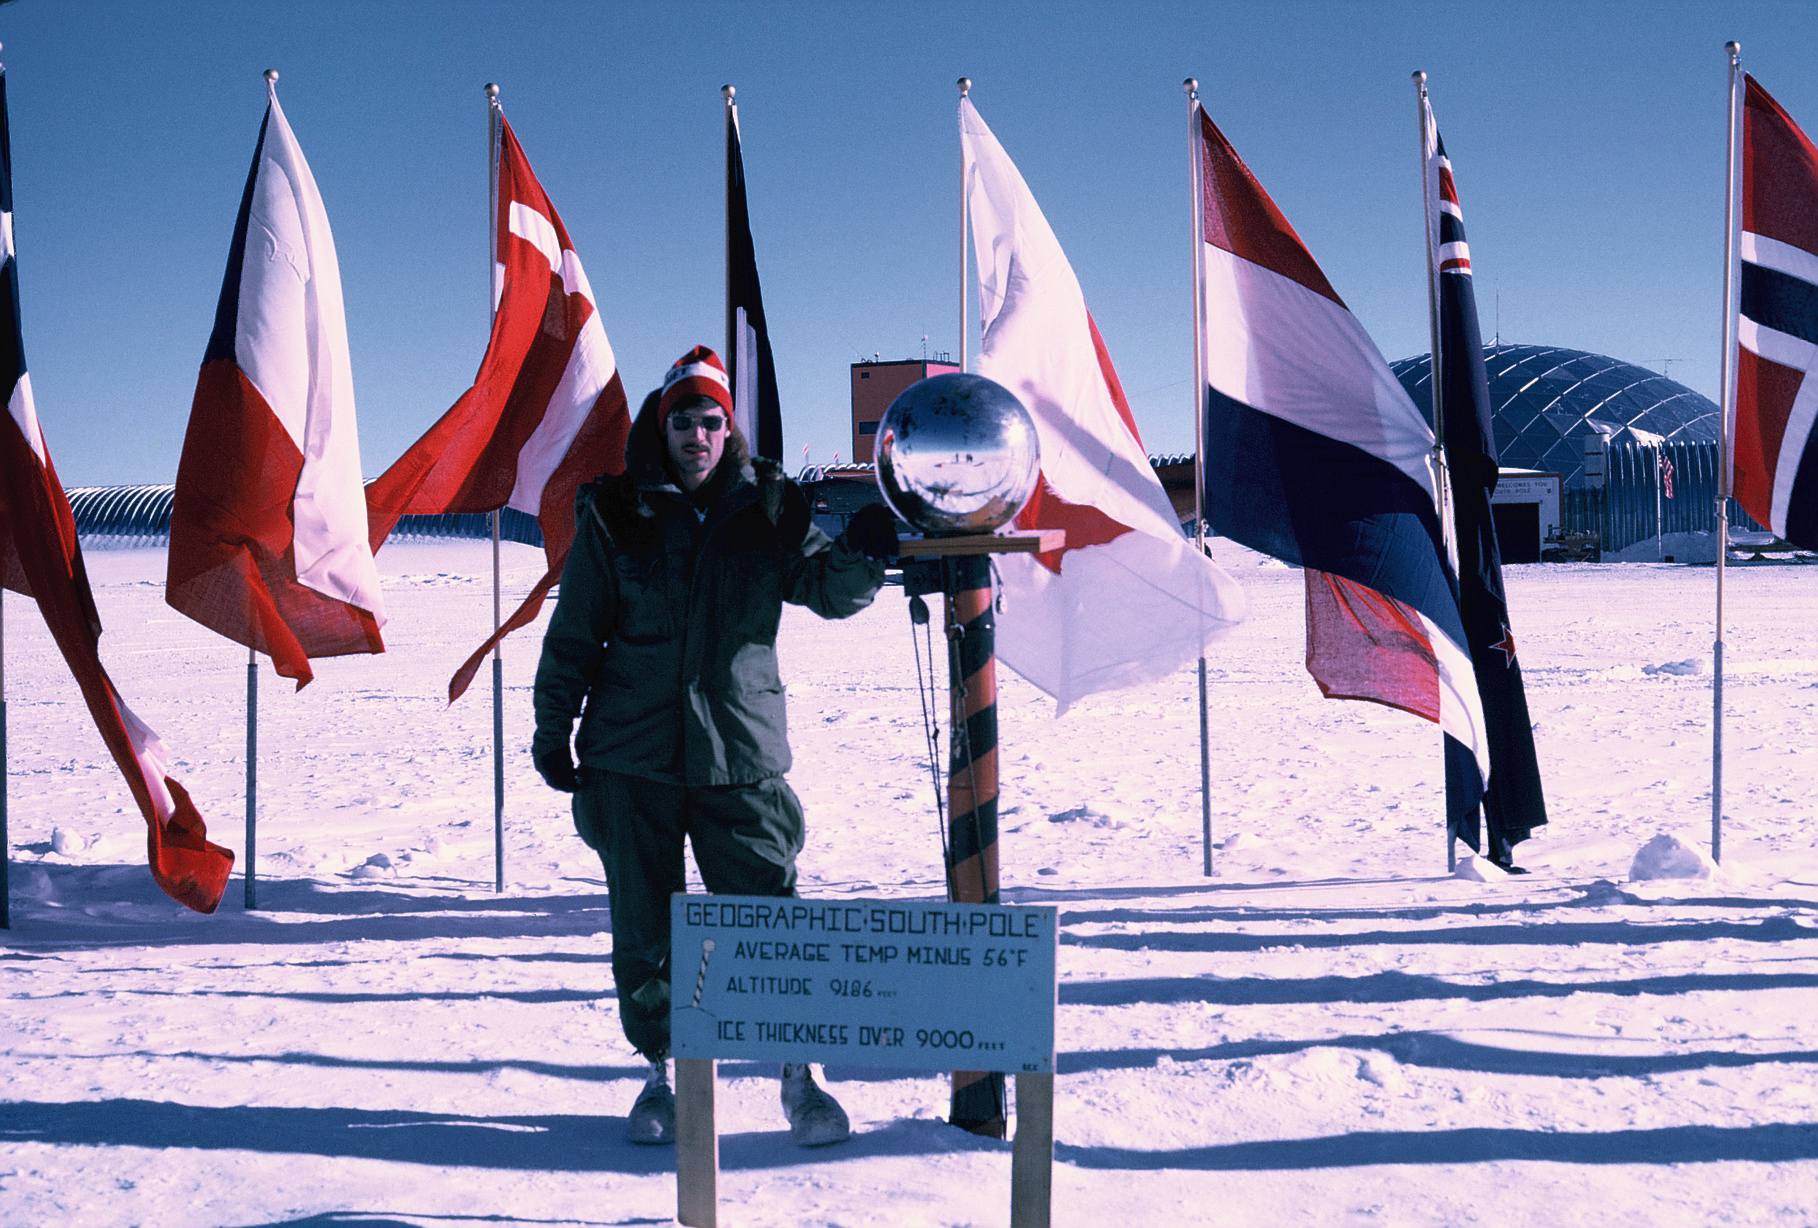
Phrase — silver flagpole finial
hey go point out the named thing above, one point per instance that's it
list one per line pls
(965, 86)
(728, 93)
(1191, 85)
(271, 76)
(492, 90)
(1420, 78)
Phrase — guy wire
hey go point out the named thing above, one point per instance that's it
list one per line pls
(931, 734)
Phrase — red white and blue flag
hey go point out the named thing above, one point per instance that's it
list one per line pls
(1775, 455)
(546, 412)
(1314, 454)
(1513, 805)
(1128, 599)
(268, 525)
(41, 559)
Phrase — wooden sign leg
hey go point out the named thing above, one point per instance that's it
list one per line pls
(697, 1145)
(1032, 1152)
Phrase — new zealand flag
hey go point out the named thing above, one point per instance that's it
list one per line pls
(1512, 802)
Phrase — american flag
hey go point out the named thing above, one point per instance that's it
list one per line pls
(1666, 475)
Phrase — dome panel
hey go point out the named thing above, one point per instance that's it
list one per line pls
(1545, 400)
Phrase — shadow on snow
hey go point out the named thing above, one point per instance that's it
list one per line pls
(555, 1143)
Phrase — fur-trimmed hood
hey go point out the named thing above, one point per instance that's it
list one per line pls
(622, 502)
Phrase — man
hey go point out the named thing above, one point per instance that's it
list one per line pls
(666, 628)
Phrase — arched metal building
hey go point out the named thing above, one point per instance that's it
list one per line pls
(1546, 401)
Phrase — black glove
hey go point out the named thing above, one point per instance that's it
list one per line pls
(872, 531)
(556, 767)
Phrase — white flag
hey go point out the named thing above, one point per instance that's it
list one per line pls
(1129, 599)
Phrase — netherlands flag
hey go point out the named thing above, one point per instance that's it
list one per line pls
(1314, 454)
(546, 412)
(268, 526)
(1775, 475)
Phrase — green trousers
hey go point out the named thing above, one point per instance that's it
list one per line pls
(745, 840)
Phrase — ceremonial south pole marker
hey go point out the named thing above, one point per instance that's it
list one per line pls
(906, 984)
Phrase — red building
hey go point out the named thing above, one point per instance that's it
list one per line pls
(874, 386)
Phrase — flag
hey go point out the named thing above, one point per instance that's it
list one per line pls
(546, 411)
(268, 525)
(1128, 599)
(1666, 475)
(1513, 803)
(748, 360)
(1775, 453)
(1314, 454)
(41, 559)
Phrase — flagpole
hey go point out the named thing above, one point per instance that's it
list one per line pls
(251, 899)
(493, 115)
(1731, 219)
(965, 89)
(1433, 367)
(1191, 85)
(252, 775)
(6, 848)
(730, 94)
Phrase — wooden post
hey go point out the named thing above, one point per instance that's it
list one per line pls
(697, 1145)
(1032, 1153)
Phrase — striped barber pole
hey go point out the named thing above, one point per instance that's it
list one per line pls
(978, 1096)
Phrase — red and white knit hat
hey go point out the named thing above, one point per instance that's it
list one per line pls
(698, 373)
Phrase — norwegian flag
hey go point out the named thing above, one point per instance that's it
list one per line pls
(1774, 456)
(546, 412)
(41, 559)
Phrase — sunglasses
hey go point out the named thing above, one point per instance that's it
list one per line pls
(686, 424)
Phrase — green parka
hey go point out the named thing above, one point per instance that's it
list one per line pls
(667, 619)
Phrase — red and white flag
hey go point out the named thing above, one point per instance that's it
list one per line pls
(546, 412)
(1774, 428)
(1128, 599)
(268, 527)
(40, 558)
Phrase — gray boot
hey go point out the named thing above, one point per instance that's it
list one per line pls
(815, 1118)
(652, 1118)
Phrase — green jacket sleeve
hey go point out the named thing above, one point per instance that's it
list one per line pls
(575, 642)
(827, 575)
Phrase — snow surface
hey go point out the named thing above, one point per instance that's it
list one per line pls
(1332, 1030)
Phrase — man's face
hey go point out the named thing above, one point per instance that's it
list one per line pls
(696, 434)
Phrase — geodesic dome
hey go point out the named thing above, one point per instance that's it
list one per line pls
(1546, 400)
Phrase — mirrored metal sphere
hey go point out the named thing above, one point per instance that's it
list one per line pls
(957, 453)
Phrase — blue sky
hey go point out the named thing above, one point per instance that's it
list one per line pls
(1587, 139)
